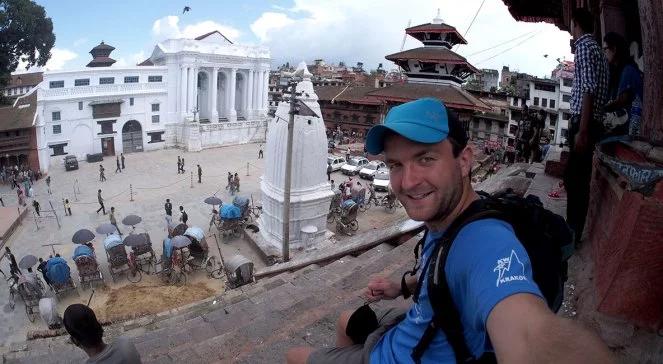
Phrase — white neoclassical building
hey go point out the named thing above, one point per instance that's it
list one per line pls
(191, 93)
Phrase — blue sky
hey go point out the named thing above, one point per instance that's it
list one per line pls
(347, 30)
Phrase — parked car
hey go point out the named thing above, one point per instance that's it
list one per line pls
(369, 170)
(70, 163)
(354, 165)
(381, 180)
(335, 161)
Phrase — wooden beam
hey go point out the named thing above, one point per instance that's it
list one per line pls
(651, 24)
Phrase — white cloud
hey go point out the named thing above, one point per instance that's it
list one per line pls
(366, 31)
(168, 27)
(60, 58)
(269, 22)
(80, 41)
(131, 60)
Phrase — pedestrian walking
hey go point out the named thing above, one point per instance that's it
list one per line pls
(230, 181)
(200, 173)
(168, 207)
(329, 171)
(42, 268)
(101, 202)
(35, 204)
(260, 155)
(113, 221)
(21, 196)
(183, 216)
(122, 159)
(102, 176)
(48, 184)
(236, 182)
(67, 207)
(13, 267)
(179, 164)
(333, 185)
(117, 161)
(183, 165)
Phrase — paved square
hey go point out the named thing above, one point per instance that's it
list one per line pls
(152, 177)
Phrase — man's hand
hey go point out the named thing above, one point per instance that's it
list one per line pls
(380, 288)
(581, 142)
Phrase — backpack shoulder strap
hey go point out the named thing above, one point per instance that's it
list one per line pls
(445, 314)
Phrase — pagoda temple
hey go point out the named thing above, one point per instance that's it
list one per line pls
(101, 56)
(433, 70)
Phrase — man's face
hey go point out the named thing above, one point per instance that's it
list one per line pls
(426, 178)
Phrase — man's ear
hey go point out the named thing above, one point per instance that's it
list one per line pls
(466, 160)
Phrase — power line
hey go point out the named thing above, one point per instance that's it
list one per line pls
(508, 49)
(473, 19)
(472, 22)
(501, 44)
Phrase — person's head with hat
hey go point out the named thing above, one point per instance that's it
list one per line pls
(425, 147)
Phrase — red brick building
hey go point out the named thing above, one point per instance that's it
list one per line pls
(18, 141)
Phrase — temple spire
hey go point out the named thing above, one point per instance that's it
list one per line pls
(438, 19)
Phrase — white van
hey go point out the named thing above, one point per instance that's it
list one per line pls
(335, 161)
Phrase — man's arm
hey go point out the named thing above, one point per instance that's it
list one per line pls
(582, 138)
(523, 330)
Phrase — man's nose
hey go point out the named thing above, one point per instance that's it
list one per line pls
(410, 177)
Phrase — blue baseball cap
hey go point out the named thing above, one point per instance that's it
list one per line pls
(424, 120)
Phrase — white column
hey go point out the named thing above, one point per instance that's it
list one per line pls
(265, 92)
(195, 93)
(213, 103)
(255, 93)
(259, 93)
(232, 113)
(189, 95)
(183, 90)
(249, 95)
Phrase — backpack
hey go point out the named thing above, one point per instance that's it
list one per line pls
(545, 236)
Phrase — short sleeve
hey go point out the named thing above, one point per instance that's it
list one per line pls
(487, 264)
(629, 80)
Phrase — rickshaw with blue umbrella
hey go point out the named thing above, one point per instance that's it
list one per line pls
(172, 261)
(198, 251)
(118, 260)
(231, 220)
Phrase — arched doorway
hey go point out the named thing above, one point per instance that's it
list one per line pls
(132, 137)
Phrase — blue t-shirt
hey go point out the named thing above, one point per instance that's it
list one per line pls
(486, 264)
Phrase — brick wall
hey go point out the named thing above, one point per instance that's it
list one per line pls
(625, 230)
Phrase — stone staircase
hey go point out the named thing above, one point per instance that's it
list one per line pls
(252, 324)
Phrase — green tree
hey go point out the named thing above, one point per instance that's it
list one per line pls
(26, 35)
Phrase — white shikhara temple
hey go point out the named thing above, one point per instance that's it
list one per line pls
(191, 93)
(310, 193)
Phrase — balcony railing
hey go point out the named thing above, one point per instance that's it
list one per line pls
(121, 88)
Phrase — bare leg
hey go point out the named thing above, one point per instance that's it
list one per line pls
(298, 355)
(342, 340)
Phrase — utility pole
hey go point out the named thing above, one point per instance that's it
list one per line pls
(288, 174)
